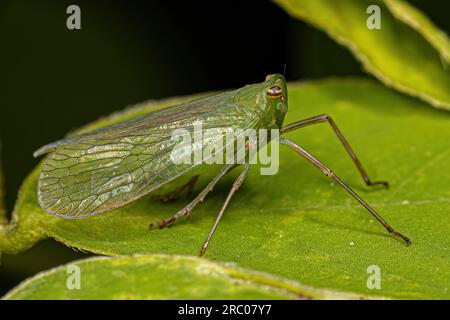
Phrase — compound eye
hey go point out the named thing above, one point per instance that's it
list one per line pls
(274, 92)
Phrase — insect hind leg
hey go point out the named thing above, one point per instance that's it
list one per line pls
(176, 194)
(186, 211)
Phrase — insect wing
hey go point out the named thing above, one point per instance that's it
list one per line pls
(110, 167)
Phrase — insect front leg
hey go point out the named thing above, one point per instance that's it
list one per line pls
(326, 118)
(175, 194)
(333, 176)
(186, 211)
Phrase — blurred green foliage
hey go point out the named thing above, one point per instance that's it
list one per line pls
(407, 53)
(162, 277)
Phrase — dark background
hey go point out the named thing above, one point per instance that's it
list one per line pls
(53, 79)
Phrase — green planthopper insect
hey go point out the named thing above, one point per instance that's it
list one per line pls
(107, 168)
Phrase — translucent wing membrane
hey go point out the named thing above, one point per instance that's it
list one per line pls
(110, 167)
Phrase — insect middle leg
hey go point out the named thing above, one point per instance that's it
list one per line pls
(333, 176)
(175, 194)
(326, 118)
(234, 188)
(186, 211)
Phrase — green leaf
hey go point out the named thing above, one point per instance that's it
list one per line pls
(409, 53)
(298, 224)
(160, 277)
(409, 15)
